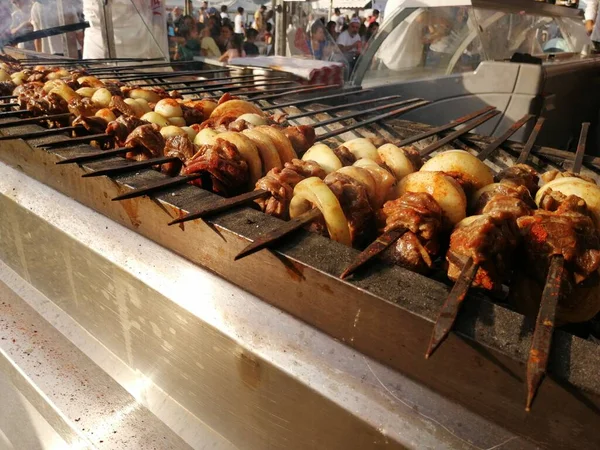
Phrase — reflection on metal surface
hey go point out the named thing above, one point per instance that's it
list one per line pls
(252, 373)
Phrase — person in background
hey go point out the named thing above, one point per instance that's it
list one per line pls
(44, 14)
(591, 23)
(269, 39)
(374, 17)
(371, 31)
(235, 49)
(185, 23)
(270, 18)
(5, 20)
(317, 44)
(349, 41)
(224, 37)
(214, 27)
(259, 19)
(362, 31)
(208, 46)
(224, 15)
(203, 13)
(238, 22)
(189, 44)
(249, 46)
(21, 22)
(339, 20)
(331, 28)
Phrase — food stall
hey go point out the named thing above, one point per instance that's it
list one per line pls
(127, 324)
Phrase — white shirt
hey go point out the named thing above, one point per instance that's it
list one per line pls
(19, 17)
(339, 22)
(346, 40)
(46, 16)
(591, 10)
(224, 15)
(238, 24)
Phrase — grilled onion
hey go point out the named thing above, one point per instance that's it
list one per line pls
(443, 188)
(66, 93)
(314, 193)
(146, 94)
(324, 156)
(86, 91)
(190, 132)
(106, 114)
(206, 136)
(281, 141)
(395, 160)
(366, 179)
(168, 107)
(384, 180)
(253, 119)
(154, 117)
(249, 153)
(236, 108)
(268, 151)
(575, 186)
(102, 97)
(171, 130)
(179, 121)
(468, 166)
(138, 110)
(4, 76)
(362, 148)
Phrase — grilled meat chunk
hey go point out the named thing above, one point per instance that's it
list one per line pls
(93, 124)
(180, 147)
(146, 142)
(345, 156)
(7, 88)
(192, 115)
(121, 127)
(507, 207)
(421, 216)
(355, 204)
(302, 137)
(503, 189)
(491, 242)
(41, 105)
(83, 107)
(280, 184)
(520, 175)
(118, 103)
(568, 231)
(225, 170)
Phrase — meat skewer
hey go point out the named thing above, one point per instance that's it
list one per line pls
(224, 204)
(451, 307)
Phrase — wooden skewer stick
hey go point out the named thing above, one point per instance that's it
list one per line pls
(544, 327)
(222, 204)
(274, 236)
(164, 184)
(91, 156)
(489, 149)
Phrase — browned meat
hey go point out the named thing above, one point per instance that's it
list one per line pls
(355, 203)
(41, 105)
(114, 87)
(520, 175)
(118, 103)
(519, 192)
(280, 184)
(192, 115)
(29, 89)
(36, 76)
(7, 88)
(121, 127)
(568, 231)
(225, 170)
(180, 147)
(507, 207)
(278, 118)
(95, 125)
(491, 242)
(345, 156)
(421, 216)
(220, 123)
(146, 142)
(302, 137)
(83, 107)
(554, 174)
(412, 153)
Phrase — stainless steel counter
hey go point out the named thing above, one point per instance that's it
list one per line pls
(113, 338)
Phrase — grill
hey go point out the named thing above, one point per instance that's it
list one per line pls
(383, 311)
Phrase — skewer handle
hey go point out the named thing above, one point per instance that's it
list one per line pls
(276, 235)
(376, 248)
(531, 141)
(581, 145)
(157, 187)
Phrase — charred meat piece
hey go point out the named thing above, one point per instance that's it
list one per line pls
(554, 174)
(354, 201)
(302, 137)
(413, 155)
(41, 105)
(569, 231)
(180, 147)
(520, 175)
(93, 124)
(421, 216)
(491, 242)
(7, 88)
(507, 207)
(118, 103)
(29, 89)
(192, 115)
(83, 107)
(225, 170)
(121, 127)
(280, 184)
(146, 142)
(519, 192)
(345, 156)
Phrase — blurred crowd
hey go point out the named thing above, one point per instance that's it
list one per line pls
(220, 34)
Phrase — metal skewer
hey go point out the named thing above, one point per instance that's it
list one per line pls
(135, 68)
(345, 106)
(234, 84)
(160, 75)
(303, 90)
(77, 140)
(95, 155)
(232, 88)
(40, 133)
(208, 81)
(162, 185)
(131, 167)
(8, 97)
(451, 307)
(541, 342)
(8, 105)
(36, 119)
(314, 100)
(531, 141)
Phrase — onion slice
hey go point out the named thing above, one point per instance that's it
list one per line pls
(575, 186)
(314, 193)
(362, 148)
(364, 177)
(281, 141)
(324, 156)
(458, 161)
(249, 153)
(384, 180)
(395, 160)
(268, 151)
